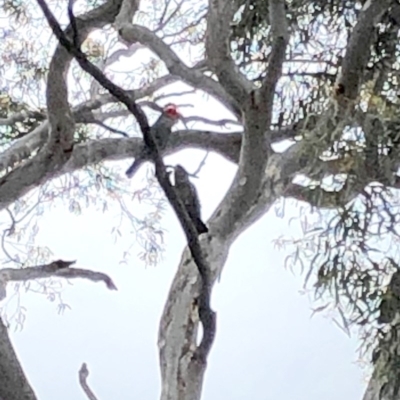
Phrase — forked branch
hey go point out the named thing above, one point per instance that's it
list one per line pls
(207, 316)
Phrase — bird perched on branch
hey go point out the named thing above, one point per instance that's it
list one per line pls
(161, 131)
(188, 194)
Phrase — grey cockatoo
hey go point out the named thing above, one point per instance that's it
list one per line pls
(188, 194)
(161, 131)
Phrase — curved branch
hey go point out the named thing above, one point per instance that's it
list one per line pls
(243, 196)
(93, 152)
(83, 375)
(62, 124)
(35, 171)
(21, 116)
(45, 165)
(191, 76)
(60, 115)
(228, 145)
(219, 19)
(24, 147)
(57, 268)
(127, 12)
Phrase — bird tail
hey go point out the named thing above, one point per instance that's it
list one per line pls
(133, 168)
(201, 226)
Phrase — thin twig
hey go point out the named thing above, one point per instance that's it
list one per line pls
(221, 122)
(7, 232)
(109, 128)
(201, 165)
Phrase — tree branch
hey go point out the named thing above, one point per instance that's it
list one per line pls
(24, 147)
(60, 115)
(192, 76)
(219, 19)
(20, 116)
(243, 196)
(116, 149)
(225, 144)
(127, 12)
(319, 197)
(56, 268)
(358, 50)
(83, 375)
(244, 193)
(35, 171)
(280, 36)
(45, 164)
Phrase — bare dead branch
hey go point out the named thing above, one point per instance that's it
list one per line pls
(83, 375)
(201, 165)
(57, 268)
(177, 94)
(72, 273)
(117, 54)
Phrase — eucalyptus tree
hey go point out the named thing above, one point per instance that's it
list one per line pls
(318, 79)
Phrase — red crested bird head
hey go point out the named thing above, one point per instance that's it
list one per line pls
(171, 111)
